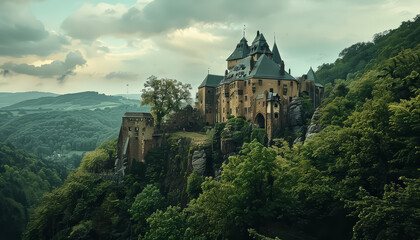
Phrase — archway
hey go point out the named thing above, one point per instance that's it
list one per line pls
(259, 120)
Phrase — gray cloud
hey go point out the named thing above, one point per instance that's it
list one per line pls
(57, 68)
(91, 22)
(22, 34)
(122, 75)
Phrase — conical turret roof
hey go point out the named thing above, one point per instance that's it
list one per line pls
(311, 75)
(276, 54)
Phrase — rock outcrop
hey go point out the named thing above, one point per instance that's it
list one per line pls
(296, 118)
(314, 127)
(199, 161)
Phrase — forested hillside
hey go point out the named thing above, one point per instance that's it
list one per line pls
(363, 56)
(356, 179)
(24, 178)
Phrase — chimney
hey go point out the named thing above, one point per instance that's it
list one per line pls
(289, 71)
(282, 67)
(226, 72)
(258, 33)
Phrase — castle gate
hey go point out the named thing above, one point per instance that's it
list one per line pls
(260, 121)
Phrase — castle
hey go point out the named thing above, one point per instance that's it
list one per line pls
(256, 86)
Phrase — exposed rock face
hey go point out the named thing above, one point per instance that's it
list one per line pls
(296, 118)
(314, 127)
(227, 146)
(199, 161)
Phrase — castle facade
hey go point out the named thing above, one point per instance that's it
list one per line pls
(256, 86)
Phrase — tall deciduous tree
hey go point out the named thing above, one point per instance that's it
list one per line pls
(165, 96)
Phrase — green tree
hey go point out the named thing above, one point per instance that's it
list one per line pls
(242, 198)
(194, 182)
(164, 96)
(394, 216)
(145, 203)
(170, 224)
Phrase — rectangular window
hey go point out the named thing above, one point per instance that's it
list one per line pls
(253, 89)
(249, 82)
(240, 92)
(245, 110)
(278, 82)
(246, 98)
(260, 82)
(271, 90)
(291, 83)
(244, 83)
(285, 89)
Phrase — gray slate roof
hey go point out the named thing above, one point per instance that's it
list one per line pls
(319, 85)
(264, 67)
(239, 72)
(241, 50)
(211, 81)
(259, 45)
(267, 68)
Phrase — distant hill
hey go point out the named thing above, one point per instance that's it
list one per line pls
(130, 96)
(7, 98)
(74, 101)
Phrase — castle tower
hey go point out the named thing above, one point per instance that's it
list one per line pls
(206, 98)
(260, 46)
(309, 86)
(136, 138)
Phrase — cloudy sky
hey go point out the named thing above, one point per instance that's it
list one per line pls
(102, 45)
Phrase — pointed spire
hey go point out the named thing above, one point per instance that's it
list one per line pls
(311, 74)
(276, 55)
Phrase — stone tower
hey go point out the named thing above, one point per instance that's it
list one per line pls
(137, 136)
